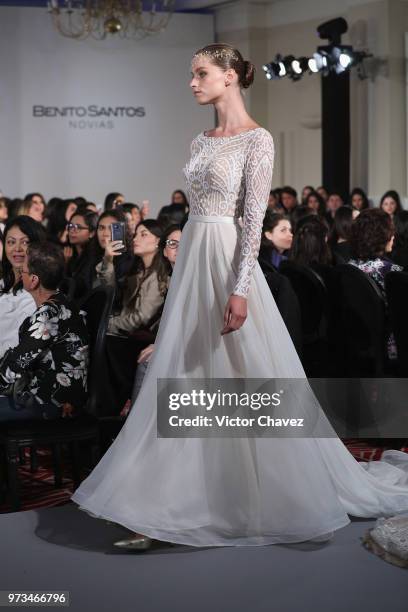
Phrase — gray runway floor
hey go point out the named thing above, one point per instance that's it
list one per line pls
(65, 549)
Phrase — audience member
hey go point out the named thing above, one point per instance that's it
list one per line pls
(305, 192)
(81, 266)
(315, 203)
(58, 215)
(133, 215)
(172, 214)
(112, 200)
(309, 244)
(399, 254)
(322, 191)
(289, 198)
(15, 303)
(3, 214)
(142, 296)
(274, 204)
(299, 213)
(14, 207)
(391, 203)
(44, 376)
(340, 234)
(34, 206)
(372, 238)
(169, 244)
(334, 201)
(276, 238)
(358, 199)
(179, 197)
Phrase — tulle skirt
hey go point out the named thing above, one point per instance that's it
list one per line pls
(230, 491)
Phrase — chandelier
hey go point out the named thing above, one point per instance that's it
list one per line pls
(81, 19)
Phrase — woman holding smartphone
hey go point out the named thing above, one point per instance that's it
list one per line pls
(140, 297)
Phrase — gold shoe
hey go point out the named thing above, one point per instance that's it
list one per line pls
(135, 542)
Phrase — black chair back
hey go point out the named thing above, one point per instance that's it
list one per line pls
(362, 324)
(312, 295)
(396, 286)
(98, 306)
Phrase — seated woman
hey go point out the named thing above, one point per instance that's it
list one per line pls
(358, 199)
(391, 203)
(399, 253)
(141, 297)
(309, 246)
(169, 244)
(276, 238)
(339, 239)
(33, 206)
(372, 238)
(100, 249)
(315, 202)
(81, 266)
(16, 304)
(58, 214)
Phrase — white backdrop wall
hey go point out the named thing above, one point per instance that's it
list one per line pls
(44, 76)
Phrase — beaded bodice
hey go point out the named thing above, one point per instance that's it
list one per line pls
(231, 177)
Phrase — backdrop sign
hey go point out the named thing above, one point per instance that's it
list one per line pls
(90, 117)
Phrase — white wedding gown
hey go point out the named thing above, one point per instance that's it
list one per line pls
(230, 491)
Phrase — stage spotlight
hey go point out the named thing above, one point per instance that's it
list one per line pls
(296, 67)
(312, 64)
(266, 67)
(282, 69)
(344, 60)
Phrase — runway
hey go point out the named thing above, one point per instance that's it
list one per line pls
(65, 549)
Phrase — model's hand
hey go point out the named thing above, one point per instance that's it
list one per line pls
(146, 354)
(113, 248)
(235, 314)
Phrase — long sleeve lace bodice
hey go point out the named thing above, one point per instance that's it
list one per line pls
(231, 176)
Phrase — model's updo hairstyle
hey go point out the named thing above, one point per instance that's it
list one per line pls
(226, 57)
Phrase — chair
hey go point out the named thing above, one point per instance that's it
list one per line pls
(396, 287)
(98, 306)
(286, 301)
(15, 436)
(362, 328)
(312, 295)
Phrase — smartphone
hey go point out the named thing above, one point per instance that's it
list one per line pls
(118, 233)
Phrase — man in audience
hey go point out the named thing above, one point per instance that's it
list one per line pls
(44, 377)
(289, 198)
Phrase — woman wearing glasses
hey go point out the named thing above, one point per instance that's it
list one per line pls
(81, 266)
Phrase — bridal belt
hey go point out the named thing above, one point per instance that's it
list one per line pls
(212, 219)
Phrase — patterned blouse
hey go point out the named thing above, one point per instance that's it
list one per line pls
(50, 362)
(377, 270)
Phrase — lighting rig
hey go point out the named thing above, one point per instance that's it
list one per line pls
(332, 58)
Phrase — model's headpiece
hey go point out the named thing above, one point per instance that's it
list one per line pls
(220, 54)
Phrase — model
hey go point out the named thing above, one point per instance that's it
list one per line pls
(220, 320)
